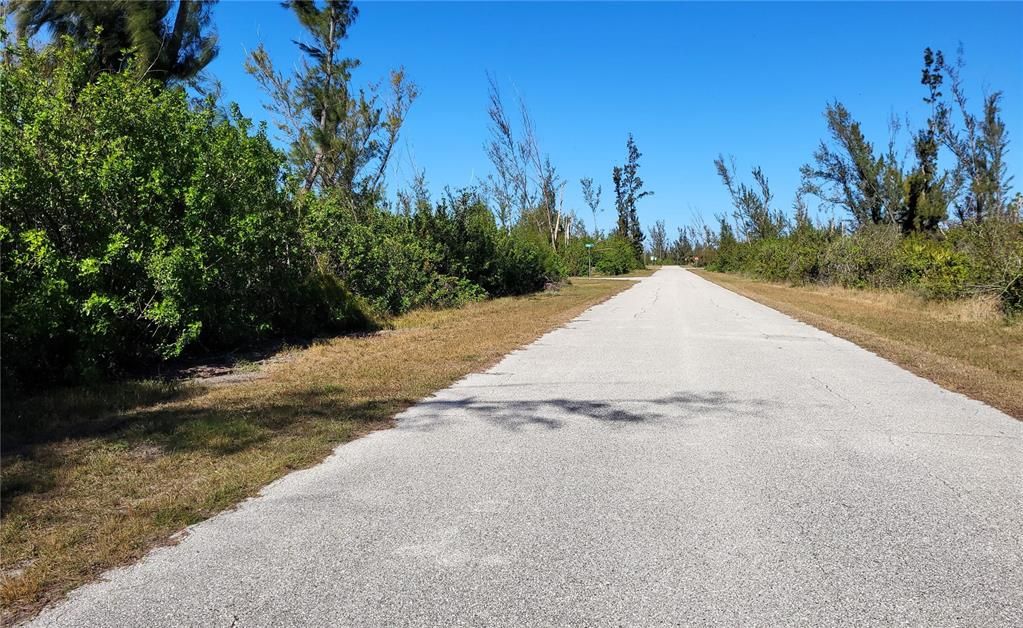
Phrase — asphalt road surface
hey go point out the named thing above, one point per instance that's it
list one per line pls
(676, 455)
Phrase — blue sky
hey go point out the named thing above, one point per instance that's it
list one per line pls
(689, 80)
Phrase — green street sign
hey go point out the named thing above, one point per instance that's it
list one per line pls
(589, 245)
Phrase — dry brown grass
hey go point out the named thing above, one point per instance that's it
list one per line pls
(966, 346)
(104, 474)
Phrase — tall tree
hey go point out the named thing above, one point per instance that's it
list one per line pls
(979, 148)
(753, 214)
(926, 190)
(550, 214)
(848, 174)
(592, 198)
(628, 191)
(509, 184)
(341, 138)
(523, 174)
(682, 250)
(659, 240)
(170, 41)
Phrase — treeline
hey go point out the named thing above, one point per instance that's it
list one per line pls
(910, 223)
(144, 220)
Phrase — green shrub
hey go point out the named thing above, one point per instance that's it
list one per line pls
(933, 267)
(138, 225)
(994, 250)
(865, 259)
(769, 258)
(615, 256)
(576, 258)
(473, 247)
(449, 254)
(967, 259)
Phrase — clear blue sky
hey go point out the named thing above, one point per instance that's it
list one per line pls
(688, 80)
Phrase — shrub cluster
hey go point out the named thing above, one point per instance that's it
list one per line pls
(965, 259)
(611, 255)
(446, 254)
(139, 225)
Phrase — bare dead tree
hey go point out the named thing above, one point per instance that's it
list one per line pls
(524, 180)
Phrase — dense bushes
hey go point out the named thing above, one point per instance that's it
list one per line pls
(612, 255)
(136, 225)
(966, 259)
(139, 225)
(443, 255)
(615, 255)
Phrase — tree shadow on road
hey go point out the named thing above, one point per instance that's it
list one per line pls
(518, 414)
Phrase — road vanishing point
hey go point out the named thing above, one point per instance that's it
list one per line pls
(678, 455)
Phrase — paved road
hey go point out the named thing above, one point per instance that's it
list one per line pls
(677, 455)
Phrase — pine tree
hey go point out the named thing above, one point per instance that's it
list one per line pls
(168, 46)
(848, 174)
(629, 190)
(926, 197)
(340, 140)
(979, 148)
(753, 213)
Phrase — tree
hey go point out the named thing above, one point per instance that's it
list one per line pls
(165, 48)
(592, 199)
(509, 184)
(727, 246)
(848, 174)
(681, 250)
(524, 176)
(1016, 207)
(979, 148)
(801, 214)
(340, 140)
(926, 196)
(628, 191)
(753, 213)
(659, 240)
(549, 215)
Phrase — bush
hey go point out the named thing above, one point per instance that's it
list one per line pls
(137, 226)
(994, 250)
(967, 259)
(933, 267)
(575, 258)
(524, 266)
(140, 225)
(502, 263)
(377, 256)
(866, 259)
(615, 256)
(449, 254)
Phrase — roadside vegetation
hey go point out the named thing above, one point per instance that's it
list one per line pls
(101, 474)
(934, 217)
(145, 219)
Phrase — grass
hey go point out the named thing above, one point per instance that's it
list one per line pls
(94, 477)
(967, 346)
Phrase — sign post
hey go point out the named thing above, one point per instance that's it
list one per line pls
(589, 264)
